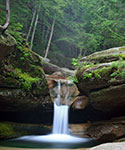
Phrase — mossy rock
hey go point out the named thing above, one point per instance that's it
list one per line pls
(100, 76)
(99, 73)
(23, 84)
(13, 130)
(109, 55)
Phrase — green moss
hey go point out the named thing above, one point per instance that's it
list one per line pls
(36, 70)
(113, 80)
(12, 130)
(87, 75)
(26, 54)
(100, 58)
(24, 78)
(28, 80)
(122, 49)
(116, 69)
(7, 40)
(120, 69)
(75, 80)
(96, 74)
(6, 130)
(11, 66)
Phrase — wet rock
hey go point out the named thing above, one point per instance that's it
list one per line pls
(79, 129)
(80, 102)
(68, 91)
(107, 131)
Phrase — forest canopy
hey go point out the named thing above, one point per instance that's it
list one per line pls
(79, 27)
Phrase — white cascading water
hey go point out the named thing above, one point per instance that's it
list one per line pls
(60, 121)
(60, 132)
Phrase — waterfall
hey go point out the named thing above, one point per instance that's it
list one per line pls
(60, 137)
(60, 121)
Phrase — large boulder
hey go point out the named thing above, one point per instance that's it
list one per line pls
(107, 131)
(50, 68)
(23, 85)
(101, 77)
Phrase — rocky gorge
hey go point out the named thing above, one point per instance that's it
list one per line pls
(28, 89)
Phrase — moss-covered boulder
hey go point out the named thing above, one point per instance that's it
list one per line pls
(13, 130)
(23, 86)
(101, 77)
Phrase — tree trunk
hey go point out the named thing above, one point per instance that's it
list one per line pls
(31, 25)
(34, 29)
(85, 52)
(50, 38)
(5, 26)
(46, 35)
(36, 21)
(80, 54)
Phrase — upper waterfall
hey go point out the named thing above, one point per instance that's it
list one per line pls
(60, 121)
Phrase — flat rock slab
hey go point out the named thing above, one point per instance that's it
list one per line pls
(110, 146)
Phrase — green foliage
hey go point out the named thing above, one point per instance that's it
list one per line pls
(11, 66)
(15, 31)
(121, 64)
(122, 74)
(114, 74)
(26, 55)
(81, 28)
(105, 70)
(75, 80)
(115, 70)
(75, 62)
(24, 78)
(113, 80)
(120, 71)
(97, 74)
(87, 75)
(114, 65)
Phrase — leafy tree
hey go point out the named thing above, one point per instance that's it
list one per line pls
(68, 28)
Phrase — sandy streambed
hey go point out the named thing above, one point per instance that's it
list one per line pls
(8, 148)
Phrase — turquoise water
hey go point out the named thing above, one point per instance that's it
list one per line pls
(39, 142)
